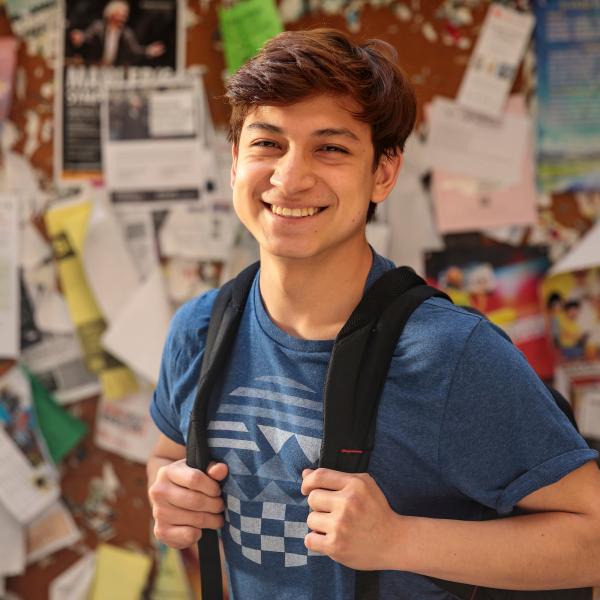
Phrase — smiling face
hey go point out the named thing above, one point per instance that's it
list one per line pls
(302, 178)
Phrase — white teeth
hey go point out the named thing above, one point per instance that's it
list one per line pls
(294, 212)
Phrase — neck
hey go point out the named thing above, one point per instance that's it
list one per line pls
(313, 298)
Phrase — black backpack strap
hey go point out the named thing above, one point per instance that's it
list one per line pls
(357, 371)
(225, 318)
(359, 364)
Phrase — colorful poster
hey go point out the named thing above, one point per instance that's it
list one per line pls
(567, 42)
(572, 303)
(107, 41)
(503, 283)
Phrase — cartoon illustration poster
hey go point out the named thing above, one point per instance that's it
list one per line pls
(503, 283)
(572, 303)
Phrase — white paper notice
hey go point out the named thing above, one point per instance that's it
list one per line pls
(171, 113)
(584, 255)
(138, 231)
(59, 363)
(25, 491)
(9, 277)
(104, 247)
(76, 581)
(12, 535)
(154, 151)
(137, 335)
(125, 426)
(464, 143)
(588, 413)
(51, 531)
(467, 204)
(201, 233)
(495, 60)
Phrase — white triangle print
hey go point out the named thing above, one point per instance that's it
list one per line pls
(310, 446)
(276, 437)
(235, 464)
(275, 469)
(273, 493)
(284, 381)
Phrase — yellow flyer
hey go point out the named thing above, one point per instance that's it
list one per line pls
(67, 227)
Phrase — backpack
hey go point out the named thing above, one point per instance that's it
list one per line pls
(357, 370)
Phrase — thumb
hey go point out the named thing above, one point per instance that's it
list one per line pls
(217, 471)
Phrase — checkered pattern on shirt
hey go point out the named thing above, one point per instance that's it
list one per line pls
(269, 527)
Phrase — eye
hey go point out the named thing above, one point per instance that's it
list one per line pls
(264, 144)
(333, 148)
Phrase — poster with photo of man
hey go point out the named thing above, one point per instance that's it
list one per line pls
(115, 40)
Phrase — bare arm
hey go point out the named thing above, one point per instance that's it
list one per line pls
(557, 547)
(184, 500)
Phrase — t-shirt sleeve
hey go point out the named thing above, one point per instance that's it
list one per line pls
(503, 436)
(180, 364)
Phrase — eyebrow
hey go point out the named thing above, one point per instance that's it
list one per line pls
(326, 132)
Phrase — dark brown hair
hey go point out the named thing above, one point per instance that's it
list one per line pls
(297, 64)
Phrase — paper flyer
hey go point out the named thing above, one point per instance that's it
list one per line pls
(75, 582)
(101, 42)
(9, 278)
(126, 428)
(120, 574)
(465, 203)
(29, 481)
(61, 430)
(567, 36)
(154, 145)
(57, 361)
(245, 27)
(35, 22)
(495, 60)
(503, 283)
(67, 226)
(465, 143)
(51, 531)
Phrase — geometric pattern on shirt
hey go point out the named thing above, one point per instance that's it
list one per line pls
(278, 532)
(267, 433)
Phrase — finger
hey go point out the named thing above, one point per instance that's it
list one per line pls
(177, 536)
(170, 516)
(319, 522)
(180, 497)
(192, 479)
(325, 479)
(316, 542)
(217, 471)
(322, 500)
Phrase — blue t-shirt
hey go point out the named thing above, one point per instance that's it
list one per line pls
(463, 424)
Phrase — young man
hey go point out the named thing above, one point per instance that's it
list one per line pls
(318, 126)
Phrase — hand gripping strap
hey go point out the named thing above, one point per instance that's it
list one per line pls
(225, 318)
(357, 371)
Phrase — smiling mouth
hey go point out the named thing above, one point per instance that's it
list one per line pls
(296, 213)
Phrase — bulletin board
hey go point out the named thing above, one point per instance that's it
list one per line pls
(433, 52)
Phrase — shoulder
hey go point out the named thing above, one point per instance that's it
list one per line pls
(190, 322)
(437, 325)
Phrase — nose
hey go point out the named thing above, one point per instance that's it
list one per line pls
(293, 173)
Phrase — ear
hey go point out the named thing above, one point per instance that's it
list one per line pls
(385, 176)
(234, 158)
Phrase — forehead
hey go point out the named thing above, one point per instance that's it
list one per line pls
(312, 114)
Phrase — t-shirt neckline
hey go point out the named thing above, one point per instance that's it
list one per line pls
(379, 266)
